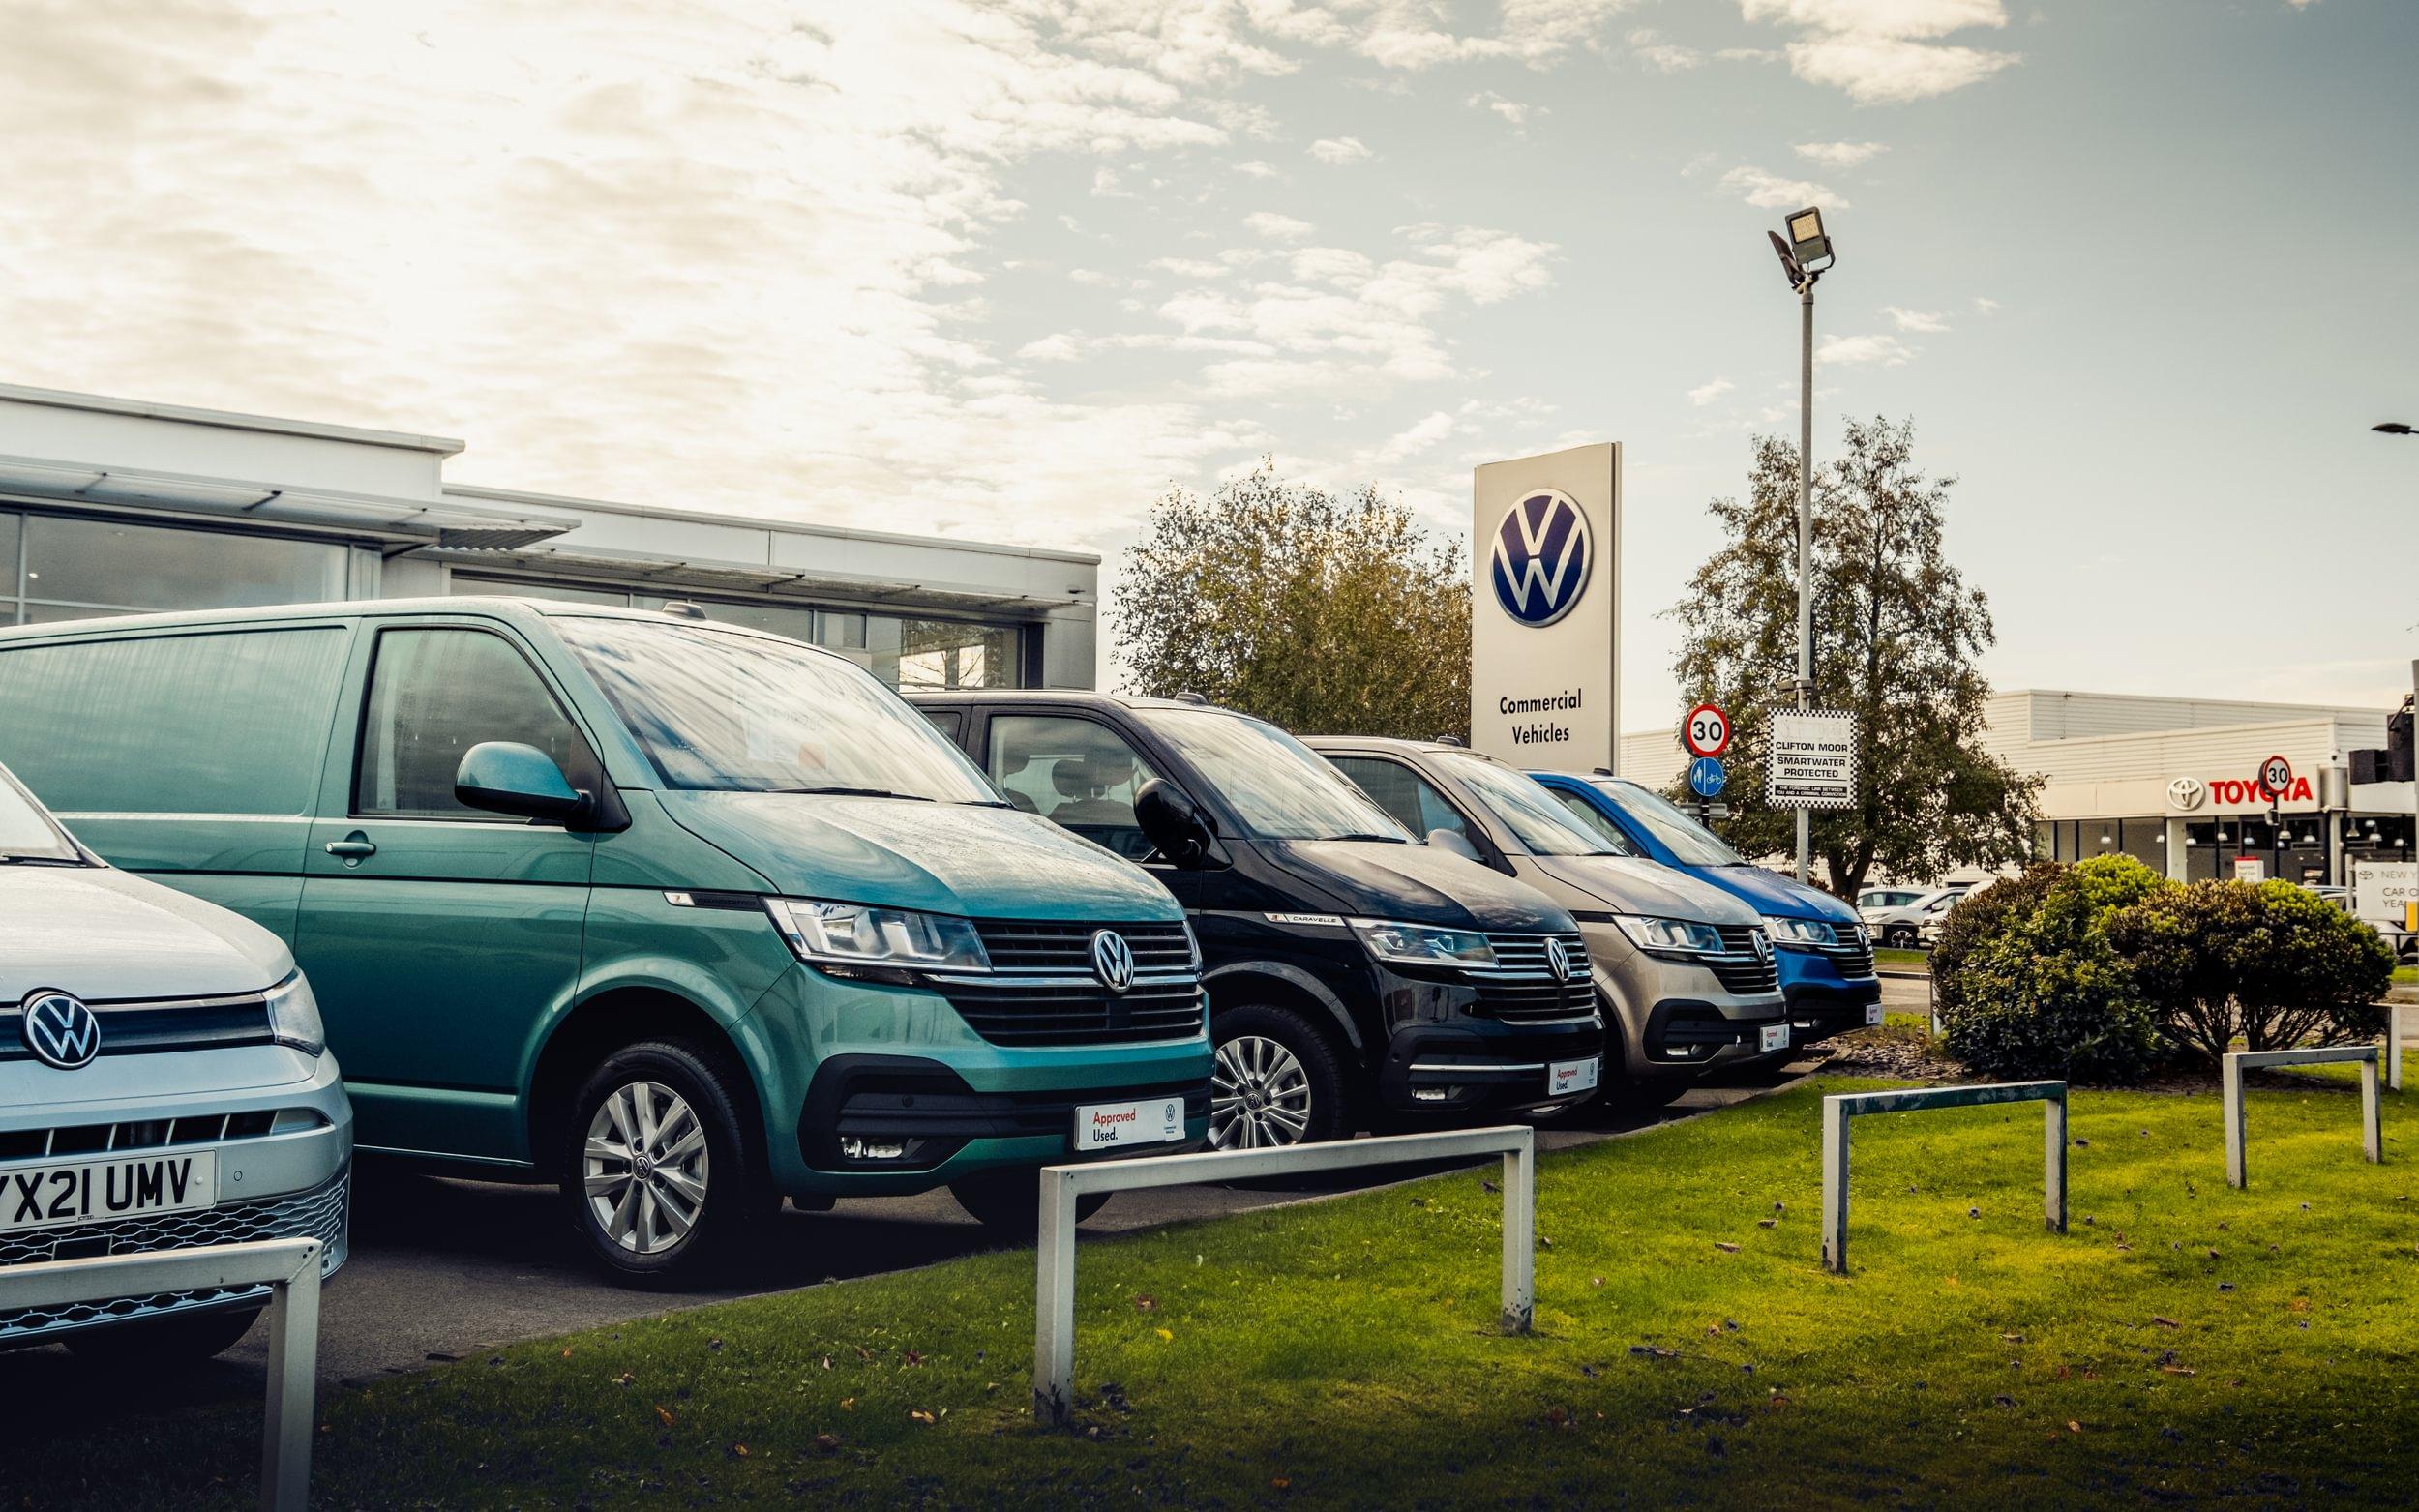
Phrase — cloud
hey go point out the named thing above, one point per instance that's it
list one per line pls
(1851, 351)
(1190, 267)
(1645, 45)
(1516, 111)
(1841, 155)
(1886, 52)
(1771, 191)
(1276, 228)
(1925, 322)
(1983, 304)
(1706, 393)
(1337, 151)
(1257, 169)
(1410, 443)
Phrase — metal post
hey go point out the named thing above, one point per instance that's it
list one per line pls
(293, 1366)
(2053, 1163)
(1805, 540)
(2394, 1046)
(1520, 1237)
(2372, 1118)
(2230, 1109)
(1835, 1186)
(1053, 1300)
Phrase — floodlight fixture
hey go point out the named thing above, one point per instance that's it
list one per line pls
(1808, 245)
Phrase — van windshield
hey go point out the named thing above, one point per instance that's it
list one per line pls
(1691, 844)
(744, 713)
(26, 832)
(1526, 807)
(1277, 787)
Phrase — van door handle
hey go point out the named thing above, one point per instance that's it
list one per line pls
(352, 848)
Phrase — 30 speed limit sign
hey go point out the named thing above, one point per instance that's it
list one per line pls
(1706, 731)
(2276, 776)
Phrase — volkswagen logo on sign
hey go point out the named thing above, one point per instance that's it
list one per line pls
(2186, 792)
(60, 1030)
(1557, 960)
(1112, 959)
(1543, 552)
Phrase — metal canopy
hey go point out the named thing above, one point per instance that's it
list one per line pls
(613, 569)
(418, 522)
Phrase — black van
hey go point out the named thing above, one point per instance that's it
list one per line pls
(1355, 978)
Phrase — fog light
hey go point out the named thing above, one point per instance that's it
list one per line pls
(854, 1148)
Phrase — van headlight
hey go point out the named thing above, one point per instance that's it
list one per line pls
(1670, 936)
(1800, 934)
(848, 934)
(294, 1016)
(1424, 944)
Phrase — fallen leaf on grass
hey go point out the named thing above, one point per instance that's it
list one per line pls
(1281, 1482)
(1652, 1352)
(566, 1351)
(2073, 1427)
(1725, 1248)
(826, 1443)
(739, 1449)
(912, 1357)
(919, 1415)
(2178, 1370)
(2165, 1323)
(2299, 1304)
(665, 1413)
(1164, 1335)
(848, 1404)
(2004, 1400)
(1766, 1223)
(1595, 1281)
(1146, 1304)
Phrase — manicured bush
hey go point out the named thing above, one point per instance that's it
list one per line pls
(2269, 963)
(2031, 986)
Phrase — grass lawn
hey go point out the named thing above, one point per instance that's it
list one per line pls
(2184, 1341)
(1903, 960)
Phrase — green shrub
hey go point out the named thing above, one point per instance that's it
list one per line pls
(2270, 964)
(2030, 985)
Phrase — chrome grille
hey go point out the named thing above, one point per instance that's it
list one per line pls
(1851, 959)
(318, 1214)
(1029, 945)
(1041, 989)
(147, 1025)
(1742, 969)
(1519, 986)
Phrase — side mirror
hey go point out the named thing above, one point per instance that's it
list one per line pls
(1454, 840)
(507, 777)
(1173, 822)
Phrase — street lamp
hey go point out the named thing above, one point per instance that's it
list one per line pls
(1804, 257)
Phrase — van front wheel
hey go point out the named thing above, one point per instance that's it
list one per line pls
(656, 1172)
(1276, 1081)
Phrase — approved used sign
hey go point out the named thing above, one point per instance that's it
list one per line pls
(1814, 760)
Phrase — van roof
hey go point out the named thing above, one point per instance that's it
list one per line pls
(1073, 697)
(496, 605)
(1393, 743)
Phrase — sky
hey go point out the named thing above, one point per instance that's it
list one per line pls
(2141, 271)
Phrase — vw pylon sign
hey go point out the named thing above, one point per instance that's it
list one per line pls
(1542, 553)
(1545, 581)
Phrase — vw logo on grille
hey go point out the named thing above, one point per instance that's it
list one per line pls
(1542, 556)
(1763, 944)
(1557, 960)
(1112, 959)
(60, 1030)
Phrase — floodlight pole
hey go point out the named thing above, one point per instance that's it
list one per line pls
(1806, 539)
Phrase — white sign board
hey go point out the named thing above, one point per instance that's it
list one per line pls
(2250, 868)
(2380, 888)
(1814, 760)
(1546, 533)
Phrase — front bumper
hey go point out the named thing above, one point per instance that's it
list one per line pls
(294, 1183)
(1676, 1019)
(1478, 1065)
(1821, 1001)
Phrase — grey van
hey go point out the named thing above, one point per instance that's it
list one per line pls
(163, 1084)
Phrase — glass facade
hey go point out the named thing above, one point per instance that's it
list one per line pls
(929, 654)
(56, 567)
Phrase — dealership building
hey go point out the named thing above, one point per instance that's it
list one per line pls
(2173, 781)
(113, 506)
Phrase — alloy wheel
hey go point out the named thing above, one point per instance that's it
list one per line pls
(644, 1167)
(1259, 1095)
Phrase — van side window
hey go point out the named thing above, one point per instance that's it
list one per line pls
(434, 694)
(950, 722)
(1076, 773)
(1594, 820)
(1412, 799)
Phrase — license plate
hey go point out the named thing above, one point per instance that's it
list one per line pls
(1566, 1077)
(1106, 1126)
(91, 1191)
(1872, 1015)
(1772, 1036)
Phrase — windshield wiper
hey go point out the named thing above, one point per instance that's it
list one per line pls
(11, 858)
(854, 792)
(1392, 840)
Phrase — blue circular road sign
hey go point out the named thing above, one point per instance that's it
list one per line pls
(1706, 777)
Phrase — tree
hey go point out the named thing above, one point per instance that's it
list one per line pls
(1896, 633)
(1318, 613)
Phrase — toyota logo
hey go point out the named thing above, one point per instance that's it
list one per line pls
(1112, 959)
(1543, 554)
(1557, 960)
(60, 1030)
(2186, 792)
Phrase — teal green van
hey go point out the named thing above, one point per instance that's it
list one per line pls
(684, 917)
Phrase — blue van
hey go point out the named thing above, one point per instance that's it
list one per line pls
(1826, 957)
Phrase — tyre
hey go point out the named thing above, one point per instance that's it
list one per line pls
(1008, 1204)
(1899, 937)
(1278, 1082)
(185, 1340)
(659, 1175)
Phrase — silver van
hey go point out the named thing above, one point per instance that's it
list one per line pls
(1686, 968)
(163, 1084)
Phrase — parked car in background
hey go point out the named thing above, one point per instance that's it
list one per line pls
(683, 917)
(1355, 978)
(1685, 970)
(1902, 927)
(1825, 957)
(1874, 901)
(163, 1084)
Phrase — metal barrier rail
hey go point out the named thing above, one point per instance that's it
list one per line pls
(1838, 1109)
(290, 1268)
(2372, 1121)
(1054, 1280)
